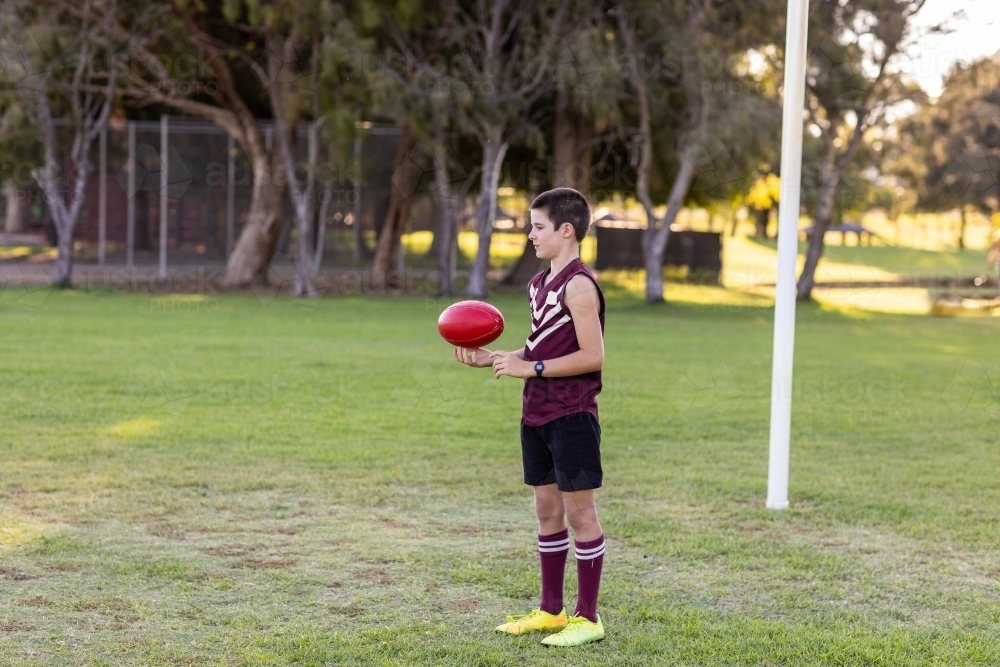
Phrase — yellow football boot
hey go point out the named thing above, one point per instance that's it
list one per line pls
(578, 631)
(535, 621)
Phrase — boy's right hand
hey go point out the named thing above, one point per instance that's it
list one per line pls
(477, 357)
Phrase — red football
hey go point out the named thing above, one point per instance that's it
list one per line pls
(470, 324)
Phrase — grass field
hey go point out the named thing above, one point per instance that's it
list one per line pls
(210, 479)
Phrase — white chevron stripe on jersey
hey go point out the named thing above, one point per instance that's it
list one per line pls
(550, 299)
(548, 316)
(538, 339)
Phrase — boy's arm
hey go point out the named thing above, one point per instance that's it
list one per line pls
(584, 306)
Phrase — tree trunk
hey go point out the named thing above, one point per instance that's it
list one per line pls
(760, 219)
(303, 203)
(829, 184)
(17, 209)
(63, 268)
(282, 51)
(319, 243)
(64, 217)
(494, 151)
(961, 229)
(396, 219)
(654, 240)
(574, 133)
(255, 247)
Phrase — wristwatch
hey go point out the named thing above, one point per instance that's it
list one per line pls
(539, 367)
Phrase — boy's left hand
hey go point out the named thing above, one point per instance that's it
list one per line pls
(507, 363)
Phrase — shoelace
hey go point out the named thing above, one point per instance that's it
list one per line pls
(575, 621)
(523, 617)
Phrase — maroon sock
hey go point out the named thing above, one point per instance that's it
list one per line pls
(589, 561)
(552, 551)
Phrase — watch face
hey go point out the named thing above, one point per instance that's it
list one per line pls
(539, 366)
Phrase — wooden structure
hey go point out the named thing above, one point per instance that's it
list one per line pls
(619, 248)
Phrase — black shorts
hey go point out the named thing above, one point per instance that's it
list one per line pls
(566, 452)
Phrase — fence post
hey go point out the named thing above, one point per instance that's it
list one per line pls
(164, 166)
(230, 177)
(358, 240)
(130, 215)
(102, 200)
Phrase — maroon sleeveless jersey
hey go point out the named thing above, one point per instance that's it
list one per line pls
(553, 335)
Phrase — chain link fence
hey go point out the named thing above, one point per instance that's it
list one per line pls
(138, 213)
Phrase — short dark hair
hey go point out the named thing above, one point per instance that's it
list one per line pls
(565, 205)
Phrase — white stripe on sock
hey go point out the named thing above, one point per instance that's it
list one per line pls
(554, 550)
(557, 543)
(580, 556)
(590, 550)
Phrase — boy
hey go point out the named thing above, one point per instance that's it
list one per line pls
(560, 434)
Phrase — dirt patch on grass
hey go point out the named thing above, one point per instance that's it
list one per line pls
(123, 623)
(168, 531)
(15, 575)
(16, 626)
(339, 541)
(378, 560)
(64, 566)
(103, 606)
(232, 549)
(376, 575)
(270, 564)
(274, 530)
(465, 605)
(352, 610)
(37, 601)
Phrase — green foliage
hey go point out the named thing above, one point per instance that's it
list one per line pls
(947, 152)
(765, 193)
(19, 147)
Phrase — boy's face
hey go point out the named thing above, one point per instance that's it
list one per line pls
(548, 240)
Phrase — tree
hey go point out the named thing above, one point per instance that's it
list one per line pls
(290, 73)
(694, 38)
(850, 86)
(230, 84)
(584, 115)
(415, 89)
(948, 152)
(63, 61)
(764, 195)
(504, 59)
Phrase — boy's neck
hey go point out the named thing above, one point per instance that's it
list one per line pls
(560, 261)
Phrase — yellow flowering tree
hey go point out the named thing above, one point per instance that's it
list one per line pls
(764, 194)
